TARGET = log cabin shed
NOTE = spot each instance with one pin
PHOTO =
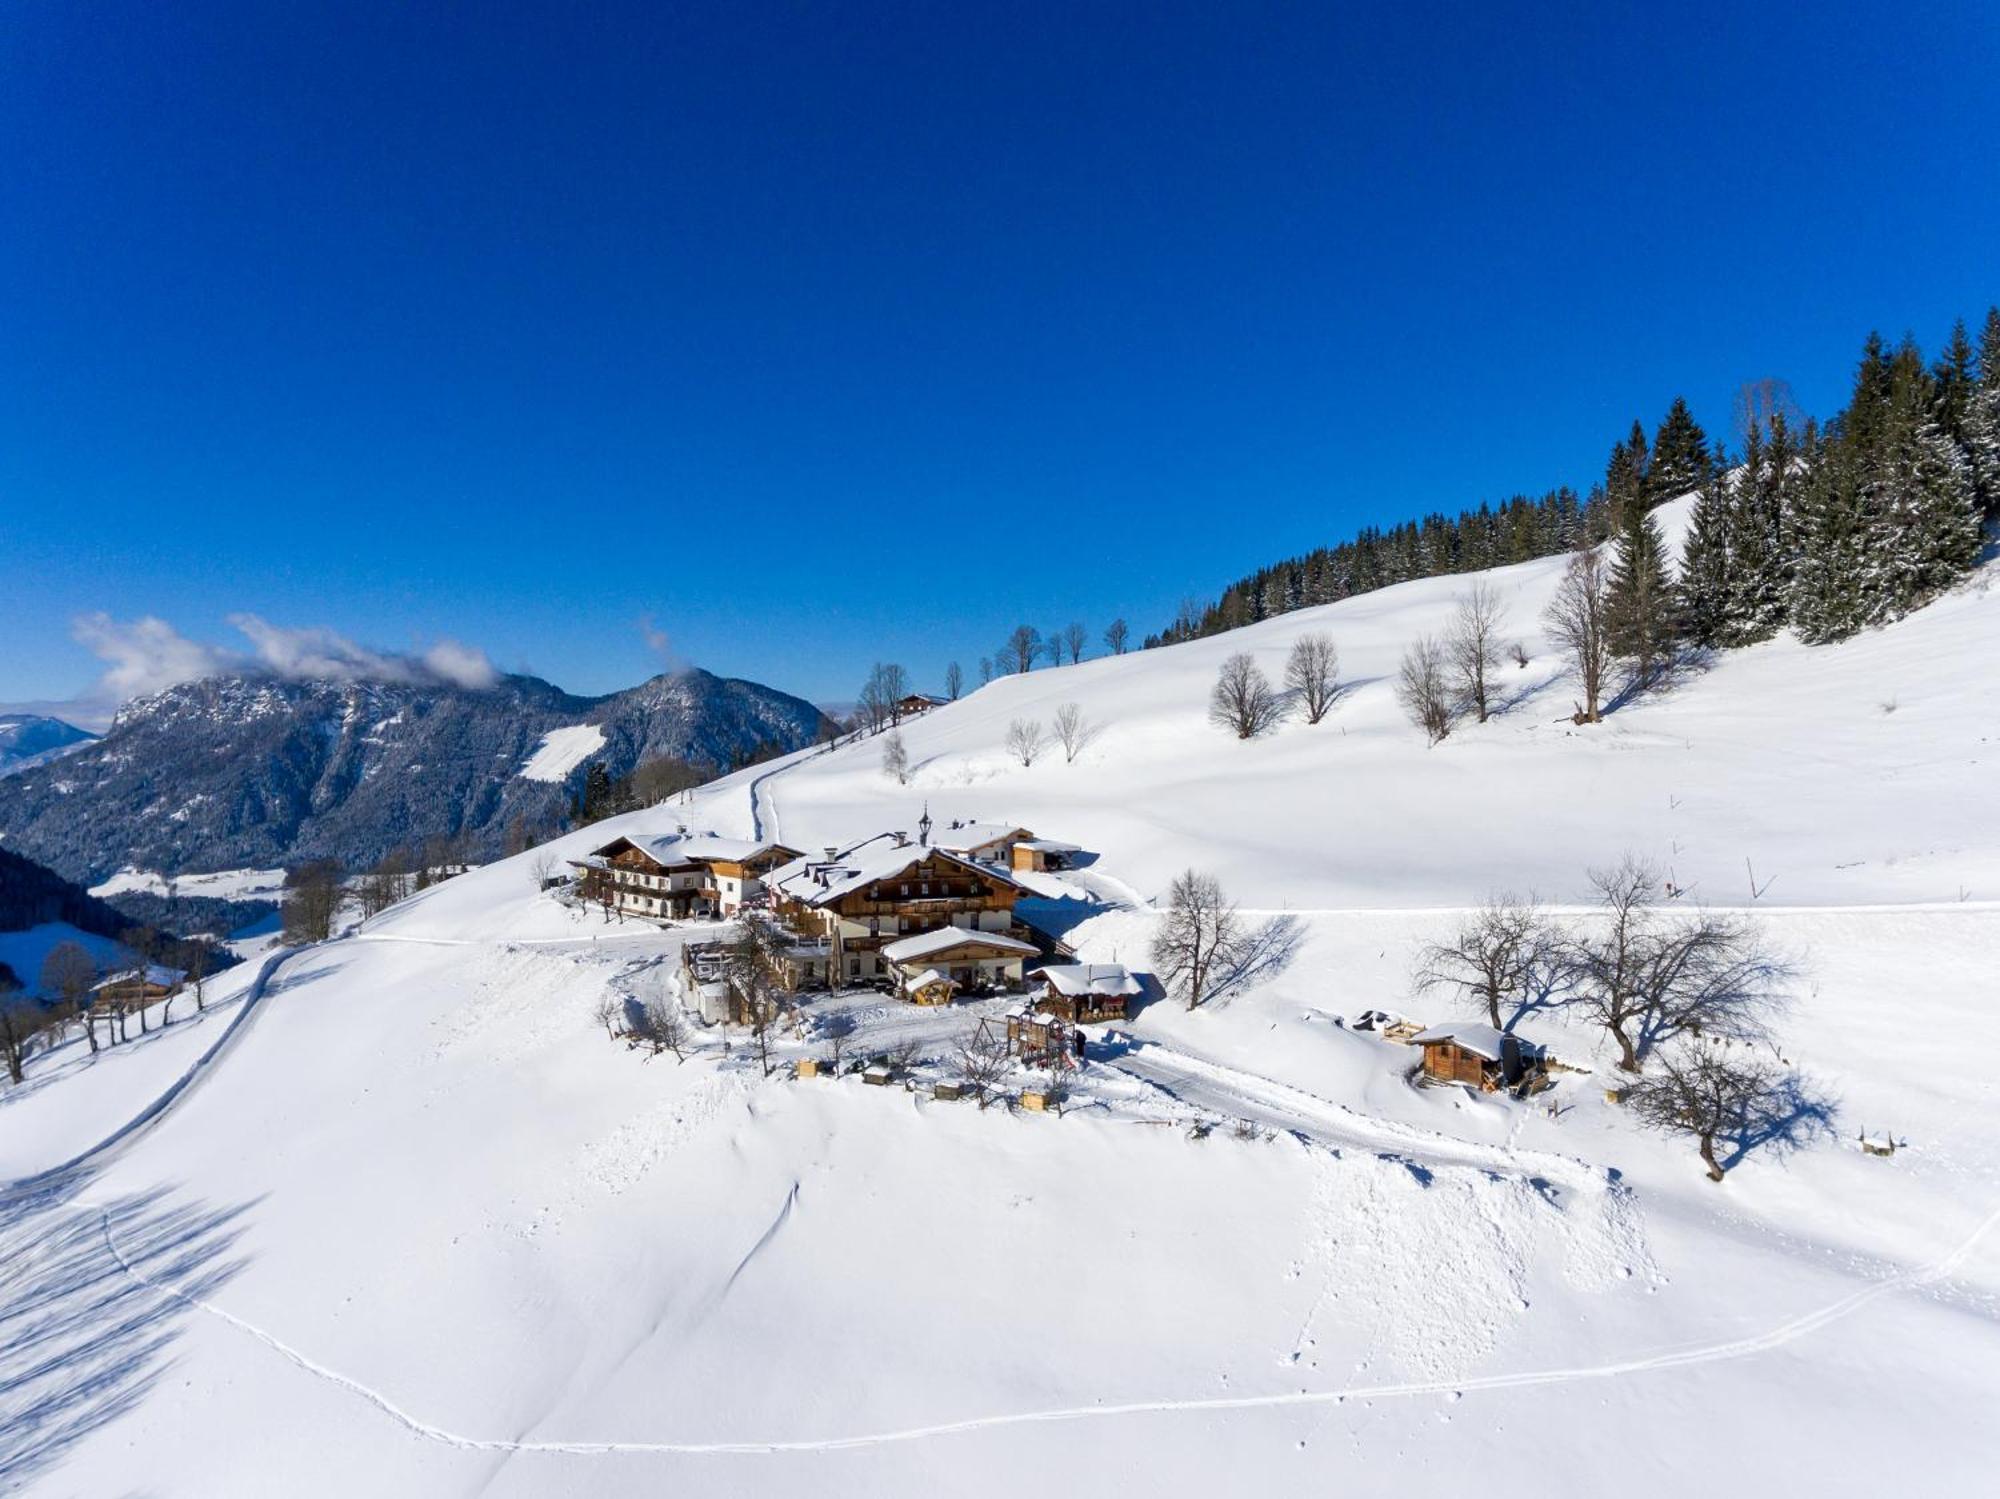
(1477, 1055)
(1086, 991)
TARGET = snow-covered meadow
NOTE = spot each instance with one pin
(423, 1229)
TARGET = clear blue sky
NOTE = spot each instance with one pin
(835, 332)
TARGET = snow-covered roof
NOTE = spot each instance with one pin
(1050, 846)
(690, 848)
(1473, 1036)
(945, 939)
(819, 882)
(1076, 979)
(927, 978)
(969, 835)
(157, 974)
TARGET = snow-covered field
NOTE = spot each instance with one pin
(224, 884)
(561, 751)
(423, 1229)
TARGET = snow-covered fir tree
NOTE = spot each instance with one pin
(1982, 419)
(1705, 581)
(1680, 455)
(1641, 609)
(1760, 561)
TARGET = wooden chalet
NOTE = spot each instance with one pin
(137, 986)
(678, 876)
(1477, 1055)
(982, 842)
(970, 962)
(861, 899)
(1085, 991)
(911, 704)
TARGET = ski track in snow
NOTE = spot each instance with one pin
(1735, 1348)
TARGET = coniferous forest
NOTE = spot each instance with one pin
(1828, 528)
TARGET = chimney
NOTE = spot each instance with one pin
(902, 838)
(832, 853)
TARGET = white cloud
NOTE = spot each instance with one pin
(465, 665)
(145, 655)
(148, 655)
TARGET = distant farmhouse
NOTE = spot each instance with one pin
(678, 876)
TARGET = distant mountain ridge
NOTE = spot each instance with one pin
(256, 771)
(30, 739)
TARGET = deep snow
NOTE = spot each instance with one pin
(425, 1230)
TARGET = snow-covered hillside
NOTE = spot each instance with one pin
(422, 1229)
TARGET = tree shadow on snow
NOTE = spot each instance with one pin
(83, 1340)
(1266, 951)
(1792, 1116)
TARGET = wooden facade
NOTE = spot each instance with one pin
(913, 891)
(634, 880)
(1477, 1056)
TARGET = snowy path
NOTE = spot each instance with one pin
(1232, 1093)
(176, 1094)
(1777, 1336)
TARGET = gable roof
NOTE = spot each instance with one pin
(671, 850)
(157, 974)
(821, 882)
(927, 945)
(969, 835)
(1470, 1035)
(1079, 979)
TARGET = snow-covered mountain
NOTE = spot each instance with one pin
(422, 1228)
(252, 771)
(29, 739)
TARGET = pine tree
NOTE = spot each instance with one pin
(1982, 420)
(1705, 563)
(1761, 562)
(1919, 497)
(1641, 607)
(1830, 597)
(1680, 455)
(1625, 479)
(1953, 385)
(596, 803)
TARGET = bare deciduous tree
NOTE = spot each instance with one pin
(1759, 401)
(954, 681)
(985, 670)
(1709, 1091)
(1072, 733)
(1242, 700)
(982, 1061)
(313, 893)
(896, 758)
(20, 1024)
(666, 1028)
(1494, 958)
(1578, 620)
(1021, 649)
(1423, 688)
(1645, 981)
(610, 1014)
(1025, 739)
(543, 868)
(1312, 674)
(1472, 645)
(68, 972)
(1074, 638)
(1200, 934)
(754, 968)
(1115, 635)
(199, 958)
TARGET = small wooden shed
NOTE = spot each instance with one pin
(1477, 1055)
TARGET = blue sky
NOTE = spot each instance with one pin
(819, 334)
